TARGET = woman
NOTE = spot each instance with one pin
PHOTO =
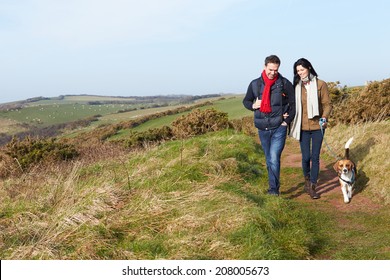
(312, 111)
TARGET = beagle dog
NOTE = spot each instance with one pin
(346, 170)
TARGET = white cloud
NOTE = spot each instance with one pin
(78, 23)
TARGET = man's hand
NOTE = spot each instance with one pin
(257, 104)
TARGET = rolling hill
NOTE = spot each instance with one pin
(199, 197)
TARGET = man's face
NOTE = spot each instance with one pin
(271, 70)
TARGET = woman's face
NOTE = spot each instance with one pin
(302, 71)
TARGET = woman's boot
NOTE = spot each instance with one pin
(312, 191)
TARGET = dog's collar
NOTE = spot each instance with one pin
(352, 179)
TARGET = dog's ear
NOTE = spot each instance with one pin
(353, 167)
(336, 166)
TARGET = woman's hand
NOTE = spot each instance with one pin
(323, 122)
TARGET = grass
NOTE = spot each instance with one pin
(360, 236)
(45, 115)
(202, 198)
(153, 205)
(54, 111)
(370, 152)
(355, 231)
(232, 105)
(50, 112)
(9, 126)
(83, 99)
(112, 118)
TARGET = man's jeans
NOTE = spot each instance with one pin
(311, 142)
(272, 142)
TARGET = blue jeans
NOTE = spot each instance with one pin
(272, 142)
(311, 142)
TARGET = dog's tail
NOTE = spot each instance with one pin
(346, 156)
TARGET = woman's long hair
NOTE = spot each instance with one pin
(305, 64)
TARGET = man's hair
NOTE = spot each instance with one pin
(272, 59)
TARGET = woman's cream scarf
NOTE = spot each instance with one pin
(312, 105)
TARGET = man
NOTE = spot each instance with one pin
(272, 98)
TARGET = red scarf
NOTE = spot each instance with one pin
(266, 99)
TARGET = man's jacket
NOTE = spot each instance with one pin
(282, 101)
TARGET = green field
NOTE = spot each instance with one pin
(50, 114)
(125, 116)
(82, 99)
(45, 113)
(53, 111)
(232, 106)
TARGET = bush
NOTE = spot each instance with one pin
(371, 104)
(31, 151)
(336, 93)
(104, 132)
(199, 122)
(245, 125)
(138, 139)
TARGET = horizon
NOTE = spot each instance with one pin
(132, 48)
(31, 99)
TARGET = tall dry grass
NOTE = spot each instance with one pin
(369, 150)
(203, 198)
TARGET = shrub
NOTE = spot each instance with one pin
(8, 166)
(371, 104)
(336, 93)
(31, 151)
(199, 122)
(138, 139)
(245, 125)
(104, 132)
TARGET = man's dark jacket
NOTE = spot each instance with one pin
(282, 101)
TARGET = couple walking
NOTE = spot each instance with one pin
(277, 105)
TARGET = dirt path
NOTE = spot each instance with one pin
(328, 185)
(344, 217)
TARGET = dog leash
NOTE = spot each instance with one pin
(352, 179)
(322, 122)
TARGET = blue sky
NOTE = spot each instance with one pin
(152, 47)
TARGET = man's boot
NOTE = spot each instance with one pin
(312, 191)
(307, 184)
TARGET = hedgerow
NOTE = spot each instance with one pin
(139, 139)
(31, 151)
(199, 122)
(371, 104)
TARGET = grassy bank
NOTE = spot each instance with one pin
(358, 230)
(369, 150)
(203, 198)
